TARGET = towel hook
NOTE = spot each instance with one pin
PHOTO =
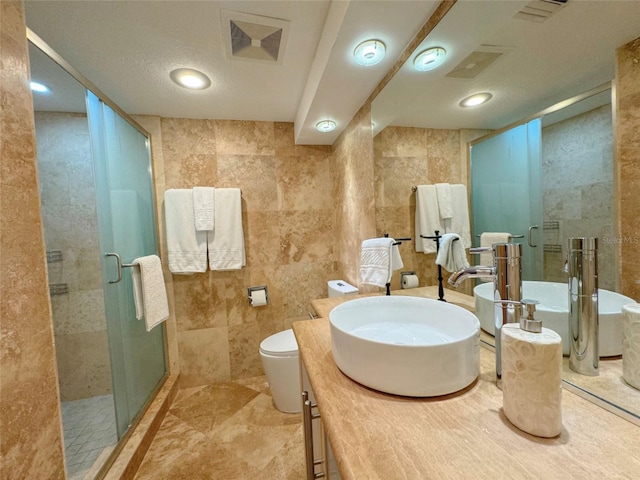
(119, 266)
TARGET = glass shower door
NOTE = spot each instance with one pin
(506, 191)
(127, 226)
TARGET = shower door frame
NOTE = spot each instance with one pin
(86, 83)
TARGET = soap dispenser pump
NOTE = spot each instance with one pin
(532, 375)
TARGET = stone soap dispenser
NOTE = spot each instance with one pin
(532, 375)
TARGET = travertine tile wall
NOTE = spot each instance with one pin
(577, 184)
(288, 220)
(67, 196)
(406, 157)
(628, 165)
(31, 439)
(352, 162)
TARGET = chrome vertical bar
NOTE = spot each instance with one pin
(583, 305)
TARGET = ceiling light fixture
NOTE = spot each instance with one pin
(325, 126)
(189, 78)
(429, 59)
(369, 52)
(39, 87)
(475, 99)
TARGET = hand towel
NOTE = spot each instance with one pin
(226, 242)
(396, 259)
(459, 222)
(375, 261)
(486, 240)
(427, 218)
(149, 292)
(451, 255)
(203, 208)
(445, 203)
(186, 246)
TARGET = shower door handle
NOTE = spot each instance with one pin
(119, 266)
(529, 235)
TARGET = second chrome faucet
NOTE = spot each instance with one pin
(506, 273)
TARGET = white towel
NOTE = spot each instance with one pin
(459, 222)
(226, 242)
(427, 218)
(396, 259)
(486, 240)
(187, 247)
(149, 292)
(445, 203)
(451, 255)
(376, 261)
(203, 208)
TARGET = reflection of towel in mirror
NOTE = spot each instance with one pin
(376, 261)
(487, 239)
(451, 255)
(427, 218)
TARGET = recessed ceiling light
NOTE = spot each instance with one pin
(369, 52)
(39, 87)
(189, 78)
(326, 126)
(429, 59)
(475, 99)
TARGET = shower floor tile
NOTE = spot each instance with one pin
(89, 432)
(229, 431)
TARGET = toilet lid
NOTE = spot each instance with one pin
(280, 343)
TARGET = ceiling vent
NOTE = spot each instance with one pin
(540, 10)
(253, 37)
(478, 61)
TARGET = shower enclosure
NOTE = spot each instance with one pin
(94, 171)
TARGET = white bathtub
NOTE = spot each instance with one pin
(554, 312)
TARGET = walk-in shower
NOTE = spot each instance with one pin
(94, 171)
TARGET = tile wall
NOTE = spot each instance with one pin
(288, 220)
(577, 179)
(30, 422)
(69, 217)
(627, 106)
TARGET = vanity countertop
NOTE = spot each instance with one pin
(464, 435)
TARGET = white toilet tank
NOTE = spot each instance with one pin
(338, 288)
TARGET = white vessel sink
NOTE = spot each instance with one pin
(553, 310)
(406, 345)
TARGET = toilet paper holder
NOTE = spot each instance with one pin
(404, 274)
(255, 289)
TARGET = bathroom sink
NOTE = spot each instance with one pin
(553, 310)
(403, 345)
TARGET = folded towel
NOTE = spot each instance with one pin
(459, 222)
(187, 247)
(427, 218)
(451, 255)
(445, 204)
(203, 207)
(226, 242)
(376, 261)
(486, 240)
(149, 292)
(396, 259)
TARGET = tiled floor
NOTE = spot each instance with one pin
(89, 433)
(227, 431)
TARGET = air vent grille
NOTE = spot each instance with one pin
(253, 37)
(540, 10)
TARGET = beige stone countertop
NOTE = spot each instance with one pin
(460, 436)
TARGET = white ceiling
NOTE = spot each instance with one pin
(128, 49)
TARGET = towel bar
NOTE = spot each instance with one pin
(119, 266)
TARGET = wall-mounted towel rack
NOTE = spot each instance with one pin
(119, 266)
(510, 236)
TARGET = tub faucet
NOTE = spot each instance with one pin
(507, 288)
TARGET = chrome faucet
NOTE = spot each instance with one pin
(583, 305)
(507, 287)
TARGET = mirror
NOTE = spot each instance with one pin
(421, 133)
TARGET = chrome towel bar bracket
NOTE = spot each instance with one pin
(119, 266)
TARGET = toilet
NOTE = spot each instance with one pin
(279, 355)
